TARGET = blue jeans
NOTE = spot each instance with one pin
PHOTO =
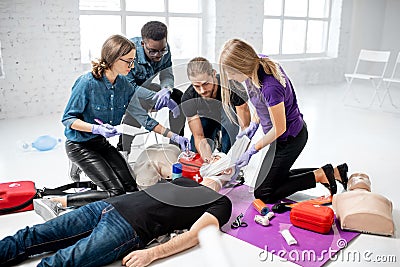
(93, 235)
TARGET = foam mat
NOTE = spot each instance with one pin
(312, 249)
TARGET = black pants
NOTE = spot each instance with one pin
(275, 179)
(176, 124)
(104, 165)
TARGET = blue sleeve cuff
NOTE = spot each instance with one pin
(67, 123)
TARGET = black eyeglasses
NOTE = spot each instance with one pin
(154, 52)
(130, 63)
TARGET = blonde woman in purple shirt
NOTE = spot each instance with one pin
(271, 92)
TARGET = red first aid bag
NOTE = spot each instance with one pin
(17, 196)
(315, 218)
(191, 167)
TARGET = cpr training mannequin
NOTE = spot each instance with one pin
(360, 210)
(155, 163)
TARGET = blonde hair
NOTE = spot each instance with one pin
(112, 50)
(239, 57)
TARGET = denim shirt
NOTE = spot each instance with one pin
(145, 70)
(97, 98)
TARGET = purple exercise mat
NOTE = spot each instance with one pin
(312, 249)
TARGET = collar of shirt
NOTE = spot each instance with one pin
(140, 54)
(108, 84)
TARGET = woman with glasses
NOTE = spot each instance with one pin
(98, 101)
(153, 58)
(285, 132)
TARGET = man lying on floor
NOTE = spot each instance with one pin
(120, 227)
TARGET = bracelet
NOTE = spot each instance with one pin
(165, 133)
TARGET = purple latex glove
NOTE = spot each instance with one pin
(164, 100)
(249, 131)
(183, 142)
(173, 106)
(105, 130)
(163, 97)
(245, 158)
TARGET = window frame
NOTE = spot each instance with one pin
(306, 18)
(123, 13)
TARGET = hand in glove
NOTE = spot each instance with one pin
(173, 106)
(162, 97)
(249, 131)
(105, 130)
(245, 158)
(183, 142)
(164, 100)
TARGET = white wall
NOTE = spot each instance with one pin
(391, 31)
(366, 28)
(41, 55)
(40, 46)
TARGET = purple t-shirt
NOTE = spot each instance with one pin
(270, 94)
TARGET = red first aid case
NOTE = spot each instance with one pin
(17, 196)
(312, 217)
(191, 167)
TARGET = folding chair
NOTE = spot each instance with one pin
(388, 81)
(370, 56)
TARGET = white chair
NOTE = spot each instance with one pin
(389, 81)
(376, 60)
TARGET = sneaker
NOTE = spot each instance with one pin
(74, 172)
(46, 208)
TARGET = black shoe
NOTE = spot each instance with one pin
(343, 169)
(74, 172)
(329, 173)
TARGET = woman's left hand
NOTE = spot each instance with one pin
(245, 158)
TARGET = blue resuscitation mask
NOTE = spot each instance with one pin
(42, 143)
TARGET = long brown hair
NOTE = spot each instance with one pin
(112, 50)
(240, 57)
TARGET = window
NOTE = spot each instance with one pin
(102, 18)
(296, 27)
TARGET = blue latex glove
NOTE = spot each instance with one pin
(249, 131)
(183, 142)
(163, 97)
(245, 158)
(105, 130)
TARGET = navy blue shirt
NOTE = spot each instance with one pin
(97, 98)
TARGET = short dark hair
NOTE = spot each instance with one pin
(154, 30)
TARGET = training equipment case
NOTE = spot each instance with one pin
(191, 167)
(17, 196)
(315, 218)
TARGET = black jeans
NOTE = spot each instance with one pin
(176, 124)
(104, 165)
(275, 179)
